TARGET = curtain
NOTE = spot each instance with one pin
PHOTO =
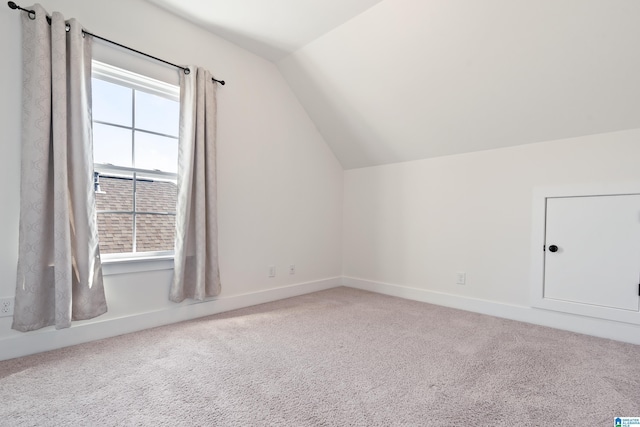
(59, 270)
(196, 274)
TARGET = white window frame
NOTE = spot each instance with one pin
(118, 263)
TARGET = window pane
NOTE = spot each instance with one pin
(156, 152)
(155, 196)
(155, 232)
(157, 114)
(116, 193)
(111, 145)
(115, 233)
(111, 102)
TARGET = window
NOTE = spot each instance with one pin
(135, 137)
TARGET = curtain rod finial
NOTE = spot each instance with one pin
(14, 6)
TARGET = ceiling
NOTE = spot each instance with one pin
(271, 28)
(399, 80)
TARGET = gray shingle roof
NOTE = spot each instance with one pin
(153, 232)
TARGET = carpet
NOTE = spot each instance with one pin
(341, 357)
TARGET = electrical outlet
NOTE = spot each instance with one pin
(272, 271)
(292, 269)
(461, 278)
(6, 307)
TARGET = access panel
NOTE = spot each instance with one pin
(592, 250)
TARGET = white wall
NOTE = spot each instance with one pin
(280, 187)
(416, 224)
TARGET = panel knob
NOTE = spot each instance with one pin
(553, 248)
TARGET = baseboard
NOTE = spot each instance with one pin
(47, 339)
(618, 331)
(24, 344)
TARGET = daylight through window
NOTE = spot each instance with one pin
(135, 137)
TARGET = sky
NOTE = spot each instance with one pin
(134, 148)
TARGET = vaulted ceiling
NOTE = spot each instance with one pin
(398, 80)
(271, 28)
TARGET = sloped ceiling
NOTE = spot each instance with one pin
(271, 28)
(411, 79)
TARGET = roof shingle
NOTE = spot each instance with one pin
(153, 232)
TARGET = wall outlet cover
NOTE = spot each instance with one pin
(6, 307)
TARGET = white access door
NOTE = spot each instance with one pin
(592, 251)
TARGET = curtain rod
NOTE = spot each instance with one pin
(32, 15)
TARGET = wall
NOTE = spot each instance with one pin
(409, 227)
(280, 187)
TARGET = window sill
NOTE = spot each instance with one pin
(136, 264)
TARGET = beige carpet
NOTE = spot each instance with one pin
(340, 357)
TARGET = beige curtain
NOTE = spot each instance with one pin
(59, 269)
(196, 273)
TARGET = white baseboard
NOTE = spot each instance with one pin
(23, 344)
(618, 331)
